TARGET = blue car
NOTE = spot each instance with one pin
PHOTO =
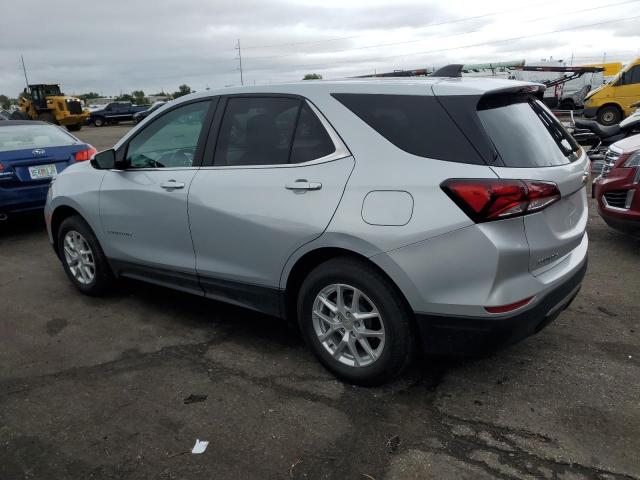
(31, 153)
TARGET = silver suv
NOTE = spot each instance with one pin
(384, 217)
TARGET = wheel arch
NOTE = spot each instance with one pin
(310, 260)
(57, 217)
(611, 104)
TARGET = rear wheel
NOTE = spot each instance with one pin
(74, 128)
(82, 257)
(356, 322)
(47, 117)
(609, 115)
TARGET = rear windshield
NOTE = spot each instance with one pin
(19, 137)
(525, 133)
(417, 124)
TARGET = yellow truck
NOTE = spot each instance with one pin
(47, 103)
(611, 102)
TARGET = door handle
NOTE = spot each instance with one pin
(171, 185)
(303, 185)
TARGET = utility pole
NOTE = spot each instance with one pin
(239, 57)
(24, 69)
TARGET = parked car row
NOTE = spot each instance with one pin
(113, 113)
(387, 231)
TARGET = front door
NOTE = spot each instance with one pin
(275, 181)
(143, 208)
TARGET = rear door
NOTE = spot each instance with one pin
(276, 172)
(531, 144)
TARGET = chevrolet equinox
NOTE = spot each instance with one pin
(384, 217)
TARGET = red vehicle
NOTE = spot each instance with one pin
(618, 188)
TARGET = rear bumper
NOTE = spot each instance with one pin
(23, 199)
(457, 335)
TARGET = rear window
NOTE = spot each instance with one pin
(417, 124)
(525, 133)
(19, 137)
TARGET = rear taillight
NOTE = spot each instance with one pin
(509, 308)
(485, 200)
(1, 167)
(84, 155)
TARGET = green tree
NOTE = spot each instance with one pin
(312, 76)
(89, 96)
(125, 97)
(182, 90)
(138, 97)
(5, 102)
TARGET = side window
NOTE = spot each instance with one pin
(417, 124)
(256, 131)
(631, 76)
(170, 140)
(311, 140)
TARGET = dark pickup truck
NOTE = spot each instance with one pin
(113, 113)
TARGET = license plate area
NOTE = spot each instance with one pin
(40, 172)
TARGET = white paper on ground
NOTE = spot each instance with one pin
(200, 446)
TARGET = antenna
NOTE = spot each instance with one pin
(239, 57)
(24, 69)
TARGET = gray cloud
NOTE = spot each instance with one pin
(114, 46)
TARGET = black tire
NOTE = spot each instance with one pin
(103, 277)
(399, 344)
(74, 128)
(609, 115)
(99, 121)
(47, 117)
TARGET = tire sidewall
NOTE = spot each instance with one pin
(98, 121)
(396, 324)
(603, 111)
(102, 276)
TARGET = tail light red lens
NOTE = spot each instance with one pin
(84, 155)
(485, 200)
(510, 307)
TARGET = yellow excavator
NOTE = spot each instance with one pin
(45, 102)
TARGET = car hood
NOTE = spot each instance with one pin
(629, 144)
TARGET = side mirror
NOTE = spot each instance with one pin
(105, 160)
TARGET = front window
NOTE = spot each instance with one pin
(170, 140)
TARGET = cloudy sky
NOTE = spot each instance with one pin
(117, 46)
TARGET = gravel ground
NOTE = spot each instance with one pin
(122, 386)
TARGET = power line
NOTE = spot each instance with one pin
(428, 25)
(523, 37)
(405, 42)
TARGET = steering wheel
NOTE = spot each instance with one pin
(182, 157)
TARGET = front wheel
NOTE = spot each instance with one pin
(609, 115)
(82, 257)
(356, 322)
(98, 121)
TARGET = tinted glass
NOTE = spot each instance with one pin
(416, 124)
(18, 137)
(256, 131)
(311, 140)
(526, 133)
(170, 140)
(632, 76)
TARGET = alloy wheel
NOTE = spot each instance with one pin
(348, 325)
(79, 257)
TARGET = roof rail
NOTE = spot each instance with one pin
(453, 70)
